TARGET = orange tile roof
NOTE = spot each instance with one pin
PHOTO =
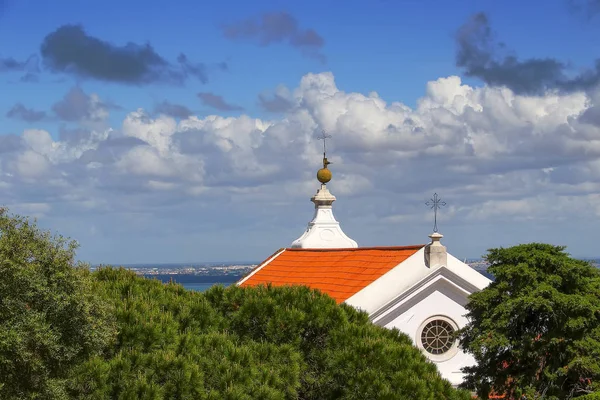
(340, 273)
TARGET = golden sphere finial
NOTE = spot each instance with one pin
(324, 174)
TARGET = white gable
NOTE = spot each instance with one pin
(439, 301)
(405, 276)
(412, 296)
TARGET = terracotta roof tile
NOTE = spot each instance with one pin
(340, 273)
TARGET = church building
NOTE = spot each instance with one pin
(419, 289)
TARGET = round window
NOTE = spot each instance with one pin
(436, 338)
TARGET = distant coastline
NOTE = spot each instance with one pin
(192, 276)
(202, 276)
(197, 269)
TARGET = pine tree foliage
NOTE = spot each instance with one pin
(591, 396)
(68, 334)
(50, 319)
(535, 330)
(249, 343)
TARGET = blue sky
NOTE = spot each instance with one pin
(391, 47)
(394, 48)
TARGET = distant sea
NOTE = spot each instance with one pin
(198, 283)
(202, 276)
(193, 276)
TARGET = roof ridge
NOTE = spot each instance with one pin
(383, 248)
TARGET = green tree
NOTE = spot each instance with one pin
(248, 343)
(69, 334)
(535, 330)
(50, 319)
(344, 356)
(172, 344)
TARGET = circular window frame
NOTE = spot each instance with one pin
(451, 352)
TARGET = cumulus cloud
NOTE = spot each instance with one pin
(19, 111)
(70, 50)
(280, 100)
(497, 157)
(482, 56)
(217, 102)
(10, 143)
(277, 27)
(172, 109)
(76, 105)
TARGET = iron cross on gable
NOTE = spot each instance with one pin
(324, 136)
(435, 203)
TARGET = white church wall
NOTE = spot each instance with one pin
(441, 293)
(438, 304)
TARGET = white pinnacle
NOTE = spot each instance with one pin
(323, 232)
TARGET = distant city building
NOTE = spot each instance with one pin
(421, 290)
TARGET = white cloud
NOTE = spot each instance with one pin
(34, 210)
(498, 157)
(38, 140)
(156, 132)
(145, 161)
(30, 164)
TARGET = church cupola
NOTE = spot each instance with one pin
(324, 232)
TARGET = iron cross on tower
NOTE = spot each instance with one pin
(324, 136)
(435, 203)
